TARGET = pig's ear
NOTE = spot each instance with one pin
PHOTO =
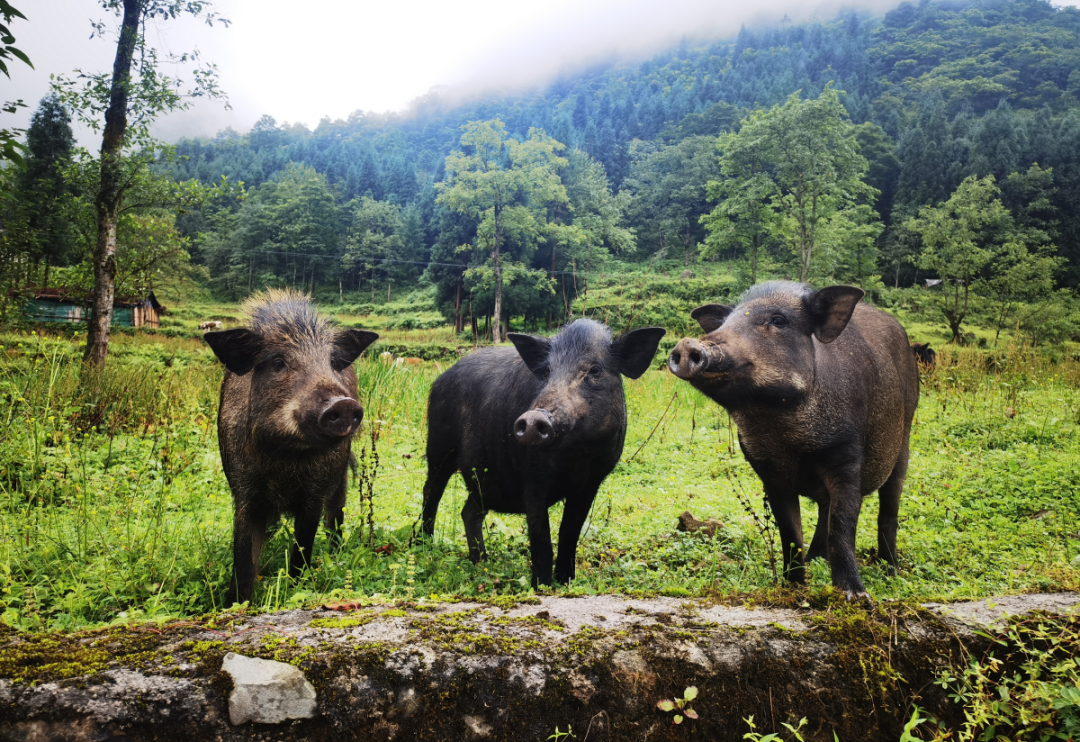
(710, 316)
(532, 349)
(348, 345)
(635, 350)
(831, 309)
(237, 349)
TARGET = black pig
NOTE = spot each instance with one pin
(288, 412)
(823, 389)
(532, 425)
(925, 356)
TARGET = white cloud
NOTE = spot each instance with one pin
(301, 62)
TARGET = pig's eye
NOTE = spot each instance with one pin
(278, 365)
(778, 321)
(594, 372)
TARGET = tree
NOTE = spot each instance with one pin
(150, 254)
(960, 239)
(287, 233)
(802, 158)
(372, 240)
(1021, 270)
(506, 187)
(668, 187)
(49, 144)
(743, 220)
(10, 147)
(130, 102)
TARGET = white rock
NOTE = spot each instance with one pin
(477, 726)
(267, 692)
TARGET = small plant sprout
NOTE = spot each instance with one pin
(680, 705)
(796, 732)
(568, 734)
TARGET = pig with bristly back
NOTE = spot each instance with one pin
(530, 426)
(823, 389)
(289, 409)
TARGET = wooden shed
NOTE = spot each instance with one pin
(57, 304)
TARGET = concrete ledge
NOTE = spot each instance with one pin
(508, 672)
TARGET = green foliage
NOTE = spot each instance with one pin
(795, 172)
(507, 188)
(972, 241)
(794, 732)
(148, 92)
(668, 184)
(1025, 687)
(10, 148)
(33, 210)
(681, 706)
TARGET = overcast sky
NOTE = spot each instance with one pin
(304, 61)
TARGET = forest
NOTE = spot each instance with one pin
(935, 142)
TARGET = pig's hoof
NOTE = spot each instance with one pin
(858, 595)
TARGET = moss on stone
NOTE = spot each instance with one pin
(47, 656)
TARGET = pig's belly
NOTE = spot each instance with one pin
(874, 474)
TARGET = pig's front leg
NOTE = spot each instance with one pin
(536, 518)
(575, 512)
(845, 502)
(249, 534)
(784, 504)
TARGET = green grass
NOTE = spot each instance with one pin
(113, 504)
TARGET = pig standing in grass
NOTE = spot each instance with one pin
(532, 425)
(823, 390)
(288, 412)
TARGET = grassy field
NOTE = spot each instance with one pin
(113, 505)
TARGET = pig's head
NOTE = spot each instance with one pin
(762, 351)
(580, 372)
(302, 385)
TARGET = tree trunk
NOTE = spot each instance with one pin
(804, 269)
(458, 322)
(753, 260)
(111, 193)
(497, 318)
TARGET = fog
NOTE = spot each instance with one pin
(333, 58)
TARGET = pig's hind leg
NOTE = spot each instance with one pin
(472, 515)
(303, 542)
(439, 473)
(819, 544)
(889, 511)
(334, 520)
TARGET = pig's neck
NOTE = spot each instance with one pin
(775, 433)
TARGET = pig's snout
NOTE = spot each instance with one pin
(534, 428)
(341, 417)
(688, 359)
